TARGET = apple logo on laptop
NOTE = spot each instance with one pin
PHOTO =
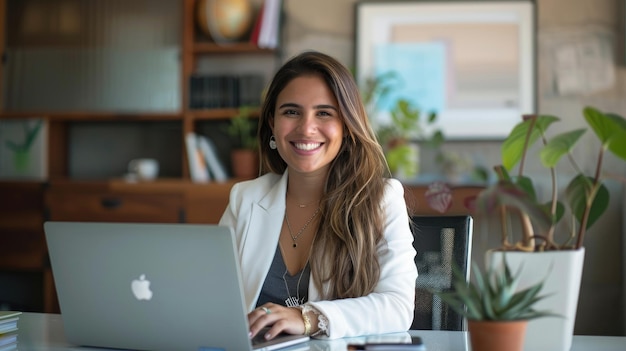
(141, 288)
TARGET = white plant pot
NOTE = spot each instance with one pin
(562, 271)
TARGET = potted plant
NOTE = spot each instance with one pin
(244, 155)
(539, 247)
(407, 125)
(496, 311)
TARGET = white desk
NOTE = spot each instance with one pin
(44, 332)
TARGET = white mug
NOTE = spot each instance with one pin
(144, 168)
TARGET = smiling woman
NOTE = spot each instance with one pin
(307, 125)
(323, 236)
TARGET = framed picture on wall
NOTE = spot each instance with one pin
(23, 149)
(470, 62)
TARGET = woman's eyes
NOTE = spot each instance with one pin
(297, 113)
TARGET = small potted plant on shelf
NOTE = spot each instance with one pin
(244, 155)
(496, 310)
(539, 247)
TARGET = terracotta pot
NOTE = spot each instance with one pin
(497, 335)
(245, 163)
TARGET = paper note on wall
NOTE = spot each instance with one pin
(584, 67)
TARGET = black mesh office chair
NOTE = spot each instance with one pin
(439, 241)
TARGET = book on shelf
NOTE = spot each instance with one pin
(7, 341)
(256, 29)
(270, 23)
(197, 164)
(8, 330)
(8, 321)
(209, 151)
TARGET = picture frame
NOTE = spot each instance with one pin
(472, 63)
(23, 149)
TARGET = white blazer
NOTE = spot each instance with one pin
(255, 213)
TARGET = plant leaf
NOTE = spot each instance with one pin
(578, 194)
(610, 129)
(513, 146)
(559, 146)
(508, 194)
(526, 184)
(560, 210)
(617, 144)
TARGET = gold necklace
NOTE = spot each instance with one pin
(305, 205)
(295, 238)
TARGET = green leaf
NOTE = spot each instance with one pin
(610, 129)
(508, 194)
(617, 145)
(514, 145)
(432, 117)
(579, 192)
(560, 210)
(13, 146)
(559, 146)
(526, 184)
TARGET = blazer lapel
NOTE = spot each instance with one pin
(266, 221)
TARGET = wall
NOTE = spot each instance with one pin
(327, 25)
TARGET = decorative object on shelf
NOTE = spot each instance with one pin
(225, 21)
(143, 168)
(439, 196)
(587, 199)
(496, 308)
(244, 155)
(23, 145)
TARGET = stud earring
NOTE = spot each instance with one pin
(272, 143)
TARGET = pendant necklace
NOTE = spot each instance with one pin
(293, 301)
(295, 238)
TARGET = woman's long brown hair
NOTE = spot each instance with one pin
(352, 220)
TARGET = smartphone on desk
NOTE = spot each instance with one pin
(415, 344)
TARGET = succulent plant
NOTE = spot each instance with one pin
(493, 295)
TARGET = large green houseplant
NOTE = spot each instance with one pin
(584, 200)
(586, 196)
(496, 309)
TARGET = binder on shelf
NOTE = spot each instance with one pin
(268, 36)
(216, 169)
(256, 30)
(197, 165)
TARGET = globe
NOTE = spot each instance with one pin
(224, 20)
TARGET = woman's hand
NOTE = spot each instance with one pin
(281, 319)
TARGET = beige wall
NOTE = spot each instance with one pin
(327, 25)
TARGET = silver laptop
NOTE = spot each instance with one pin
(151, 287)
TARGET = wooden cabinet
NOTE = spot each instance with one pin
(22, 245)
(162, 201)
(77, 202)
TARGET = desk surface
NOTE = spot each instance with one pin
(44, 332)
